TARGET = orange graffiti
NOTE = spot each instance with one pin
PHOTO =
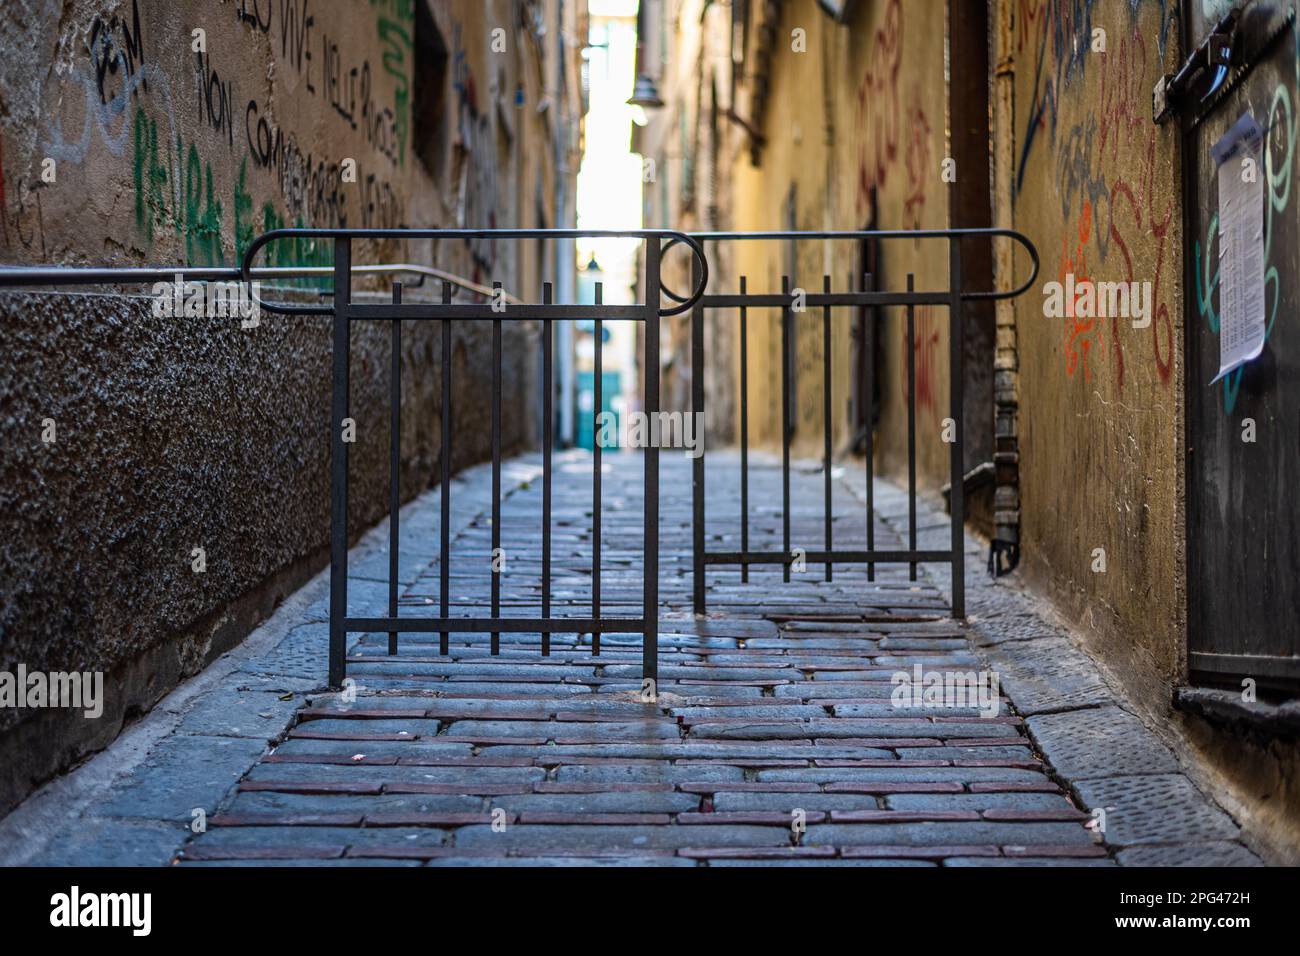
(1080, 331)
(1108, 164)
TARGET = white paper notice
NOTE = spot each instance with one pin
(1241, 246)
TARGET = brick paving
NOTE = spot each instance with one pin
(773, 739)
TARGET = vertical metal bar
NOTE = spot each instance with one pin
(597, 407)
(697, 464)
(956, 386)
(911, 426)
(339, 463)
(826, 422)
(444, 560)
(394, 460)
(547, 442)
(785, 430)
(496, 472)
(744, 439)
(868, 387)
(650, 598)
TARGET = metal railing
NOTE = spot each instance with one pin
(339, 304)
(870, 298)
(345, 311)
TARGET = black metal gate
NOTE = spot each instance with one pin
(869, 298)
(344, 310)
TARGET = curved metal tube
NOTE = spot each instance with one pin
(949, 234)
(284, 308)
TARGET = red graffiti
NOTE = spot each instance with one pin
(1123, 121)
(878, 110)
(1031, 21)
(918, 166)
(925, 345)
(884, 124)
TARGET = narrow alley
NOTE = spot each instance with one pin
(649, 435)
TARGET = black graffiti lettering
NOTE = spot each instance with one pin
(336, 83)
(379, 207)
(215, 98)
(250, 12)
(312, 188)
(112, 55)
(295, 33)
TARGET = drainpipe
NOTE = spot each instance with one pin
(1004, 554)
(566, 274)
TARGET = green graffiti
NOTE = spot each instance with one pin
(175, 190)
(245, 231)
(296, 252)
(395, 34)
(151, 176)
(202, 211)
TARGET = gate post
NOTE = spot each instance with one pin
(956, 389)
(339, 462)
(697, 464)
(650, 595)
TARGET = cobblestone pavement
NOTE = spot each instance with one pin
(773, 739)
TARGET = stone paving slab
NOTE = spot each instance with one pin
(1100, 742)
(1212, 853)
(1156, 808)
(183, 774)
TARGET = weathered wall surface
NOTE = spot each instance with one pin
(176, 434)
(1097, 188)
(854, 134)
(832, 126)
(684, 147)
(854, 125)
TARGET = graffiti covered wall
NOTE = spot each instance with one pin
(177, 132)
(1096, 186)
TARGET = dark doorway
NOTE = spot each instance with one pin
(1242, 457)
